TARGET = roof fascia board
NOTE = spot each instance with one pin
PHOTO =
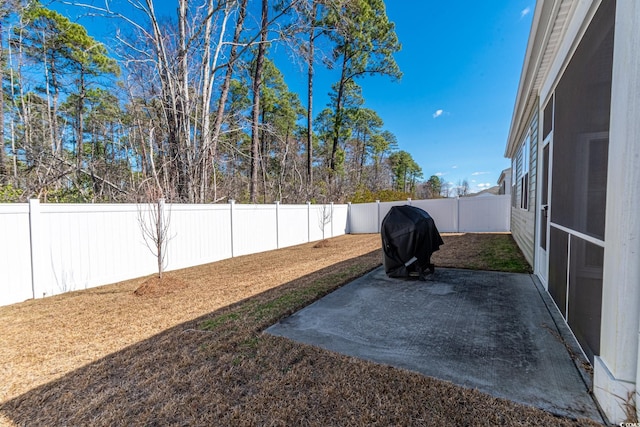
(538, 38)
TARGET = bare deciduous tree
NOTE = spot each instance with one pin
(325, 216)
(462, 189)
(153, 218)
(77, 132)
(154, 221)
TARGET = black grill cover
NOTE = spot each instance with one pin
(409, 237)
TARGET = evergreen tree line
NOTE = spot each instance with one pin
(192, 107)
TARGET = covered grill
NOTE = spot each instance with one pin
(409, 237)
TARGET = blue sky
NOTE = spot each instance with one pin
(461, 63)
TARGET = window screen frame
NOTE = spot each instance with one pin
(523, 164)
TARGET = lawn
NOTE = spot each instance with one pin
(190, 351)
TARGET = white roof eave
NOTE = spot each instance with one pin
(549, 23)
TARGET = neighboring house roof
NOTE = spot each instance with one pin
(492, 191)
(504, 182)
(541, 50)
(505, 175)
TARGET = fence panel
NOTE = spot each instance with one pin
(76, 246)
(443, 211)
(363, 218)
(340, 220)
(15, 253)
(82, 246)
(485, 214)
(293, 225)
(467, 214)
(254, 229)
(55, 248)
(198, 234)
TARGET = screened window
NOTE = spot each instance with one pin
(522, 175)
(514, 187)
(547, 124)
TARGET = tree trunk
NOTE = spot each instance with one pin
(205, 165)
(264, 153)
(161, 236)
(183, 102)
(3, 168)
(80, 121)
(337, 124)
(15, 106)
(224, 93)
(363, 155)
(52, 104)
(175, 173)
(255, 112)
(310, 63)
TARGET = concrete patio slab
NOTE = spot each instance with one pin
(496, 332)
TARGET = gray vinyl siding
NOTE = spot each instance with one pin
(523, 231)
(523, 222)
(533, 167)
(519, 166)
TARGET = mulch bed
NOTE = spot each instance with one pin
(156, 286)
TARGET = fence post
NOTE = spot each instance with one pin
(348, 230)
(277, 224)
(232, 203)
(308, 221)
(409, 200)
(34, 237)
(457, 215)
(378, 221)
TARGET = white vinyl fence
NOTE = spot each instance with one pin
(48, 249)
(460, 215)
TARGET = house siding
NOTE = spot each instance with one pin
(522, 226)
(533, 156)
(523, 222)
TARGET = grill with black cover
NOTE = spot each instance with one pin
(409, 238)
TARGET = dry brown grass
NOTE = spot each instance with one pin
(192, 353)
